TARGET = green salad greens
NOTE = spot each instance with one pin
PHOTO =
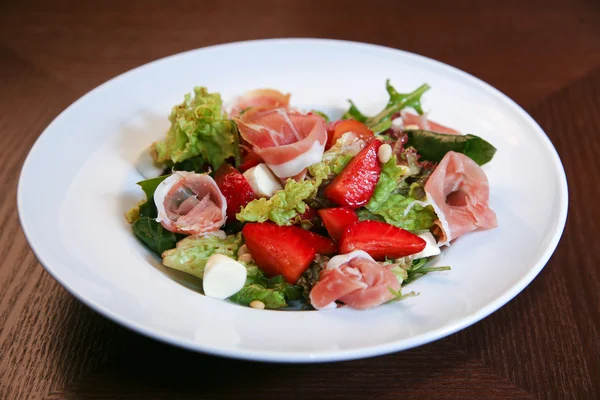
(280, 248)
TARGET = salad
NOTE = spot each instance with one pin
(274, 207)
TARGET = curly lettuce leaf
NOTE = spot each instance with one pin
(433, 146)
(192, 253)
(199, 127)
(153, 235)
(274, 292)
(285, 204)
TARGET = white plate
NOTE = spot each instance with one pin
(79, 179)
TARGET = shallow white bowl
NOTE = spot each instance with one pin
(79, 179)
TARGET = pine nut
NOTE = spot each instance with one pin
(411, 127)
(384, 153)
(245, 258)
(259, 305)
(243, 250)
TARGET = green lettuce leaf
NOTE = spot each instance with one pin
(199, 127)
(391, 174)
(433, 146)
(393, 211)
(392, 206)
(274, 292)
(153, 235)
(285, 204)
(191, 253)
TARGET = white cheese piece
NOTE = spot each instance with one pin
(147, 166)
(223, 277)
(397, 123)
(262, 180)
(431, 247)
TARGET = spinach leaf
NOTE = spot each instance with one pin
(433, 146)
(195, 164)
(148, 208)
(153, 235)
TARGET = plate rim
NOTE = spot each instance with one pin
(325, 356)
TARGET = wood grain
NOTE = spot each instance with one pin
(543, 344)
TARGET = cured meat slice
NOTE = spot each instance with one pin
(286, 141)
(260, 98)
(356, 280)
(423, 123)
(190, 203)
(459, 192)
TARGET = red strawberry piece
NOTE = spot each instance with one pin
(380, 240)
(322, 244)
(279, 250)
(354, 186)
(336, 220)
(235, 188)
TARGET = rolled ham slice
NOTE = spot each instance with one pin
(190, 203)
(424, 123)
(286, 141)
(261, 99)
(459, 192)
(356, 280)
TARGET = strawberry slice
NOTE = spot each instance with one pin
(380, 240)
(336, 220)
(235, 188)
(322, 244)
(354, 186)
(279, 250)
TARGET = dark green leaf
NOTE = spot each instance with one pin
(153, 235)
(194, 164)
(433, 146)
(148, 209)
(353, 113)
(419, 269)
(321, 114)
(398, 102)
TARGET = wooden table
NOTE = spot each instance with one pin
(543, 344)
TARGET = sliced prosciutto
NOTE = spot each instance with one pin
(356, 280)
(459, 192)
(423, 123)
(260, 98)
(190, 203)
(286, 141)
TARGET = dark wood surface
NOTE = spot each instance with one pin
(543, 54)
